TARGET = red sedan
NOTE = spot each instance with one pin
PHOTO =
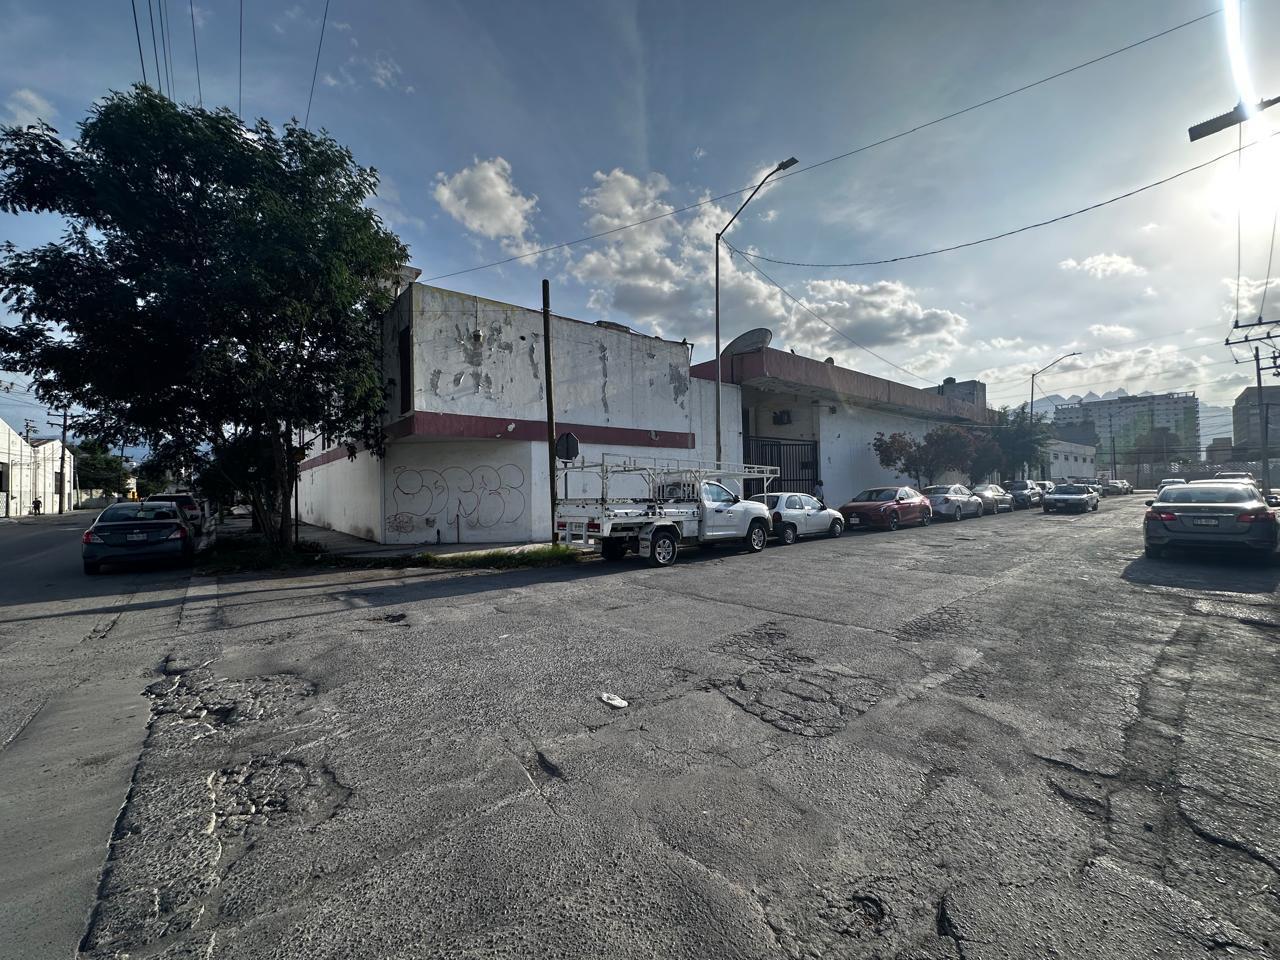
(887, 508)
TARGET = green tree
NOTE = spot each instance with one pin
(944, 449)
(217, 287)
(1023, 442)
(97, 468)
(987, 458)
(899, 452)
(151, 476)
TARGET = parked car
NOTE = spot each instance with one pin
(994, 497)
(1128, 487)
(1171, 481)
(886, 508)
(1071, 497)
(190, 506)
(1223, 515)
(1234, 475)
(1111, 488)
(1046, 486)
(800, 515)
(1025, 494)
(954, 501)
(133, 532)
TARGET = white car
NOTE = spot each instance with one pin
(953, 501)
(1071, 497)
(798, 515)
(1171, 481)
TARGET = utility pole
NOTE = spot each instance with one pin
(1262, 425)
(784, 165)
(551, 403)
(62, 468)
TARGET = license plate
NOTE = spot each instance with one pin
(1205, 521)
(135, 536)
(854, 521)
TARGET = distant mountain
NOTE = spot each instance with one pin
(1051, 403)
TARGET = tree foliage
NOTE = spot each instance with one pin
(1005, 447)
(97, 468)
(217, 287)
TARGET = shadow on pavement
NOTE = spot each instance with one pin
(1206, 570)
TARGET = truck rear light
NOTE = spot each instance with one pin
(593, 526)
(1161, 515)
(91, 537)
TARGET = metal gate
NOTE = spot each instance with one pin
(796, 460)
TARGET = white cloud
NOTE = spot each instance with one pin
(1149, 292)
(769, 216)
(1102, 265)
(879, 314)
(385, 71)
(699, 153)
(1004, 343)
(483, 198)
(202, 15)
(341, 26)
(1112, 331)
(1149, 227)
(25, 107)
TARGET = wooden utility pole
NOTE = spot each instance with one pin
(551, 403)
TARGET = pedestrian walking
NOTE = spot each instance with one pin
(817, 491)
(35, 507)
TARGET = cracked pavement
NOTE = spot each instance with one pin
(1006, 737)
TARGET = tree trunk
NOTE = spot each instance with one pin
(282, 453)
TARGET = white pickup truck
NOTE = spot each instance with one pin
(657, 507)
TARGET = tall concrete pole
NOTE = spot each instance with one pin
(1262, 425)
(62, 471)
(719, 453)
(551, 402)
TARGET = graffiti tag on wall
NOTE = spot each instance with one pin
(481, 497)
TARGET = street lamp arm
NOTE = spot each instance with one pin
(1059, 360)
(778, 169)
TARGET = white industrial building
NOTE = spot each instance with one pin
(1064, 459)
(33, 470)
(466, 457)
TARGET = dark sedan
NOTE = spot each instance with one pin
(1025, 494)
(1220, 515)
(886, 508)
(134, 532)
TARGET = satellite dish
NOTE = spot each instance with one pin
(749, 342)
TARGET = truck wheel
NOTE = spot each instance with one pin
(613, 549)
(836, 529)
(663, 549)
(788, 534)
(757, 535)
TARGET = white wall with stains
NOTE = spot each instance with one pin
(479, 357)
(344, 495)
(848, 462)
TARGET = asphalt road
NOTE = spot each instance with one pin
(1007, 737)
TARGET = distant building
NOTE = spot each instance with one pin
(1064, 460)
(1162, 426)
(1219, 450)
(1246, 423)
(31, 471)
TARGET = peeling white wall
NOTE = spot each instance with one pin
(344, 495)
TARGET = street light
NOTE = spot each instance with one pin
(1031, 408)
(784, 165)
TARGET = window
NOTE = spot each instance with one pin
(1055, 456)
(714, 493)
(810, 503)
(405, 350)
(793, 503)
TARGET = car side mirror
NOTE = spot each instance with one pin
(1148, 502)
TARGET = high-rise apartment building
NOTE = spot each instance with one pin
(1246, 423)
(1164, 425)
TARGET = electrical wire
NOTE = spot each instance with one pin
(138, 35)
(821, 163)
(1239, 204)
(172, 50)
(316, 70)
(195, 47)
(164, 46)
(240, 69)
(155, 51)
(1017, 230)
(803, 306)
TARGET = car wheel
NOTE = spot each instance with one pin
(1153, 553)
(91, 568)
(1046, 509)
(893, 521)
(836, 529)
(613, 549)
(757, 536)
(926, 517)
(788, 534)
(1095, 506)
(958, 515)
(663, 549)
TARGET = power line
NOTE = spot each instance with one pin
(155, 52)
(1239, 203)
(172, 50)
(195, 47)
(787, 293)
(821, 163)
(164, 46)
(240, 69)
(316, 70)
(138, 35)
(1009, 233)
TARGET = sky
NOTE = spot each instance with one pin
(499, 128)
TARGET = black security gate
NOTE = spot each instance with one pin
(796, 460)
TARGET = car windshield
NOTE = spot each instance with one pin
(1068, 488)
(1163, 482)
(1018, 485)
(1207, 493)
(877, 493)
(124, 512)
(936, 491)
